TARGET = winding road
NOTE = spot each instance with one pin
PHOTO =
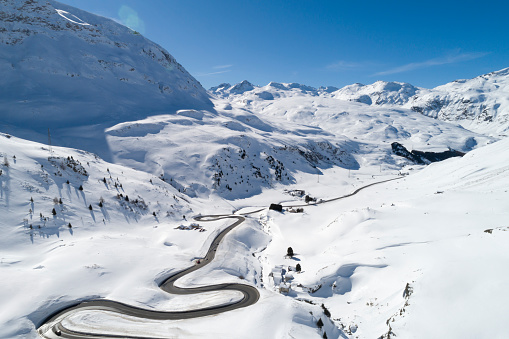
(52, 326)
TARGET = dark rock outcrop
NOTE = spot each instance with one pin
(423, 158)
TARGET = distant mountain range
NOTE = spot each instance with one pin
(102, 87)
(480, 104)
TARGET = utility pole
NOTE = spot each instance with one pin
(49, 143)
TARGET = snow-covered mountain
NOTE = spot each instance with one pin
(273, 90)
(234, 154)
(63, 67)
(378, 93)
(420, 255)
(262, 144)
(480, 104)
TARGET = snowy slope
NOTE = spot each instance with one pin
(480, 104)
(62, 68)
(418, 257)
(361, 123)
(233, 153)
(395, 258)
(247, 146)
(118, 249)
(252, 142)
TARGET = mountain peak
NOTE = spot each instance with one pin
(378, 93)
(242, 87)
(81, 67)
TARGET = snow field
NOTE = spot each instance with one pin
(428, 230)
(122, 257)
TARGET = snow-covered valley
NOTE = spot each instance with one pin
(106, 208)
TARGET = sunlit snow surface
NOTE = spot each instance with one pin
(427, 230)
(422, 256)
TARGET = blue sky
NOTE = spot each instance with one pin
(321, 43)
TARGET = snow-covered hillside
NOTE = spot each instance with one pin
(74, 227)
(245, 147)
(480, 104)
(63, 67)
(393, 259)
(416, 251)
(417, 257)
(234, 154)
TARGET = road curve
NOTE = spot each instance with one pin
(344, 196)
(52, 327)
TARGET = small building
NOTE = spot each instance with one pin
(285, 288)
(276, 275)
(288, 277)
(276, 207)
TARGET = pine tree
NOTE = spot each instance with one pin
(298, 268)
(324, 335)
(319, 323)
(81, 188)
(326, 311)
(54, 212)
(90, 207)
(289, 252)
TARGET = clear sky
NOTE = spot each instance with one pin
(321, 43)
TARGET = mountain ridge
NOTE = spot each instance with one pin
(479, 104)
(63, 67)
